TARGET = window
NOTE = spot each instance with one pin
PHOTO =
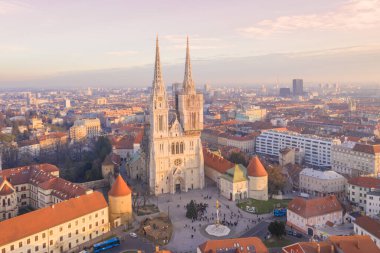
(28, 241)
(20, 244)
(36, 248)
(12, 247)
(61, 238)
(36, 238)
(44, 245)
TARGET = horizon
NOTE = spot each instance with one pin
(67, 44)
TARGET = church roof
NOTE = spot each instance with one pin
(236, 174)
(5, 188)
(119, 188)
(216, 162)
(256, 168)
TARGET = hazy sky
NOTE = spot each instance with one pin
(111, 43)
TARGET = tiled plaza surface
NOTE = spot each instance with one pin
(184, 228)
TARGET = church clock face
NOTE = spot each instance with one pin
(177, 162)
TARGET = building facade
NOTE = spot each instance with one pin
(356, 159)
(317, 150)
(373, 204)
(322, 183)
(358, 187)
(175, 149)
(307, 214)
(57, 228)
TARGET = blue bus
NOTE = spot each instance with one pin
(279, 212)
(107, 244)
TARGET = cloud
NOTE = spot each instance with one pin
(7, 7)
(354, 14)
(178, 42)
(122, 53)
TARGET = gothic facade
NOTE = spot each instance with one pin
(175, 149)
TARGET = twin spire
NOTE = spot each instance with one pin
(158, 82)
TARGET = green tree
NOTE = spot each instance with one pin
(277, 228)
(191, 210)
(276, 180)
(238, 157)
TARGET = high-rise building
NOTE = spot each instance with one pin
(297, 87)
(175, 149)
(284, 92)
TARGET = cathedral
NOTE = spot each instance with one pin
(175, 149)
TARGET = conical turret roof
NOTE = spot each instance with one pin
(256, 168)
(119, 188)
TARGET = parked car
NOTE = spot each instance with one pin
(133, 235)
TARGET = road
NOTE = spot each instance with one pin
(130, 243)
(260, 230)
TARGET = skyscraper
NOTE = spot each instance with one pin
(297, 87)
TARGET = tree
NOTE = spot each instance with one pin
(277, 228)
(191, 211)
(276, 180)
(238, 158)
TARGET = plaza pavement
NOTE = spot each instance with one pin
(181, 240)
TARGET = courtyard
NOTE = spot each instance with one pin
(187, 233)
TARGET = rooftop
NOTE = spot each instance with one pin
(42, 219)
(315, 207)
(327, 174)
(367, 182)
(372, 226)
(242, 245)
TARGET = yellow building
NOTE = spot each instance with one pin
(58, 228)
(120, 203)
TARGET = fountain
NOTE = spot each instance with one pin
(217, 229)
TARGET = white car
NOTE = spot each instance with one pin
(133, 235)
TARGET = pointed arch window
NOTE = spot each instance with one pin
(173, 148)
(177, 148)
(181, 148)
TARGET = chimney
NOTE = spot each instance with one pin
(357, 243)
(332, 249)
(157, 248)
(318, 248)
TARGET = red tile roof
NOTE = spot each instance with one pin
(315, 207)
(119, 188)
(255, 168)
(41, 175)
(42, 219)
(239, 244)
(354, 244)
(216, 162)
(367, 182)
(365, 148)
(369, 224)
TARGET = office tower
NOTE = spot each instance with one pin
(297, 87)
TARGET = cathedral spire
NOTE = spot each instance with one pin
(158, 83)
(188, 84)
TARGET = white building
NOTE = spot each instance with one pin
(317, 149)
(307, 215)
(356, 159)
(373, 204)
(322, 183)
(358, 187)
(367, 226)
(175, 148)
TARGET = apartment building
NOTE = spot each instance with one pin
(57, 228)
(358, 187)
(356, 159)
(317, 150)
(322, 183)
(373, 204)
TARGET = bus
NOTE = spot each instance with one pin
(279, 212)
(107, 244)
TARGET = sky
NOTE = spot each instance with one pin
(82, 43)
